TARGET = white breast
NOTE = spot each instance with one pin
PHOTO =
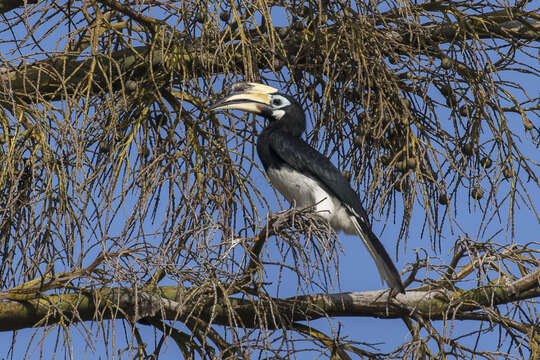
(303, 191)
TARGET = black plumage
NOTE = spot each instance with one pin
(304, 176)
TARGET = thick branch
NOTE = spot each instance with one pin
(123, 303)
(62, 74)
(8, 5)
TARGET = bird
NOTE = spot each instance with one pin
(304, 176)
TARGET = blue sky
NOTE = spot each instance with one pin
(357, 270)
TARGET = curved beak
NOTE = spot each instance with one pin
(251, 97)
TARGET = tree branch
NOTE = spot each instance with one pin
(117, 303)
(61, 74)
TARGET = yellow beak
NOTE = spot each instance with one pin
(250, 97)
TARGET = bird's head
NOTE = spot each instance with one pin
(283, 111)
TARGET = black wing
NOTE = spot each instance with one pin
(300, 156)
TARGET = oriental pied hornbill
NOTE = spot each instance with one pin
(301, 174)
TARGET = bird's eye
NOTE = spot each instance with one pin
(276, 102)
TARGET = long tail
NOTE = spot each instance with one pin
(385, 265)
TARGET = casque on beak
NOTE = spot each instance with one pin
(251, 97)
